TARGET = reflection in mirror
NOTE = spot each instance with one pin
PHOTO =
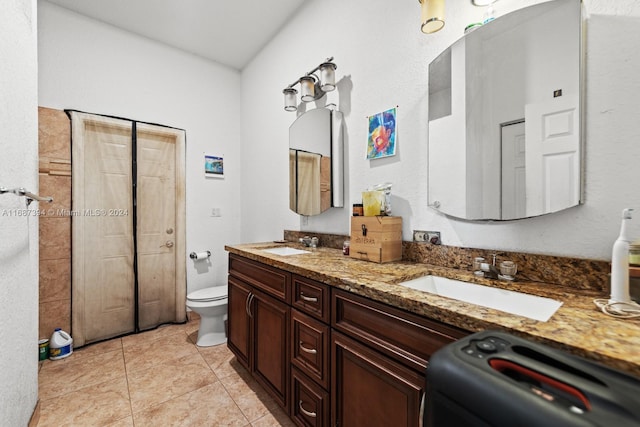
(315, 162)
(505, 116)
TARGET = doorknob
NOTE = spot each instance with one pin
(168, 244)
(169, 230)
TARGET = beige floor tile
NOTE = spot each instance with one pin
(251, 398)
(207, 406)
(241, 383)
(222, 361)
(77, 371)
(124, 422)
(161, 331)
(147, 353)
(255, 406)
(114, 344)
(275, 418)
(99, 404)
(168, 380)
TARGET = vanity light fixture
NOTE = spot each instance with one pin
(290, 99)
(312, 87)
(432, 15)
(307, 88)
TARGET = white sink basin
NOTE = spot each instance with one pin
(285, 251)
(531, 306)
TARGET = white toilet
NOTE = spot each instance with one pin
(211, 305)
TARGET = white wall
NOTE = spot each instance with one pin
(18, 234)
(383, 61)
(89, 66)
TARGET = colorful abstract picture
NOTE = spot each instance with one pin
(213, 166)
(381, 141)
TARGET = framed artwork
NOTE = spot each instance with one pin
(213, 166)
(381, 137)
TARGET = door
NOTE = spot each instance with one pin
(160, 249)
(270, 323)
(553, 155)
(128, 227)
(369, 389)
(103, 301)
(239, 326)
(513, 195)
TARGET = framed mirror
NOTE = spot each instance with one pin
(505, 107)
(315, 162)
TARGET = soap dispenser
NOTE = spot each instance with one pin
(620, 263)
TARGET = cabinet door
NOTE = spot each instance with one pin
(270, 326)
(370, 389)
(239, 331)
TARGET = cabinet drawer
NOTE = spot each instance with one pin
(271, 280)
(310, 347)
(311, 297)
(310, 404)
(406, 337)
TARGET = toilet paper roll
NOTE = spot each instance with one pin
(200, 255)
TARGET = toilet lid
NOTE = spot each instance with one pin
(208, 294)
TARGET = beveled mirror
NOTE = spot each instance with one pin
(505, 138)
(315, 162)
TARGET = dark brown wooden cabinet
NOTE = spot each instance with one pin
(310, 404)
(370, 389)
(259, 323)
(310, 347)
(379, 358)
(328, 356)
(270, 333)
(238, 320)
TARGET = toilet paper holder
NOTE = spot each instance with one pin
(200, 255)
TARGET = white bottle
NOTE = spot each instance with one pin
(620, 263)
(60, 345)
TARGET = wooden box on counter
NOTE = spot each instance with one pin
(376, 238)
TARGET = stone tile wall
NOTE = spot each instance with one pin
(54, 136)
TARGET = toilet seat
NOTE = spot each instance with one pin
(214, 293)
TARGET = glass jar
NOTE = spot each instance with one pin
(634, 254)
(345, 247)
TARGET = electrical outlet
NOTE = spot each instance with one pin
(427, 236)
(215, 212)
(419, 236)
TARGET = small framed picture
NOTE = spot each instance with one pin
(381, 138)
(213, 166)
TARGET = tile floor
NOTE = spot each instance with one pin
(157, 378)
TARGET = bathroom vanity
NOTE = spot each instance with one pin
(338, 341)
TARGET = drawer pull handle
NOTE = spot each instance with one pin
(307, 350)
(308, 299)
(304, 411)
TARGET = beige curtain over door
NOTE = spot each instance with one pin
(160, 221)
(105, 234)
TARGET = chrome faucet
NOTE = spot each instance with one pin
(310, 242)
(484, 269)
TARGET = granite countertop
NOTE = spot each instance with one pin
(577, 327)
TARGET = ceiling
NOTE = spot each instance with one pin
(230, 32)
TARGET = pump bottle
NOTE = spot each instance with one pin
(620, 263)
